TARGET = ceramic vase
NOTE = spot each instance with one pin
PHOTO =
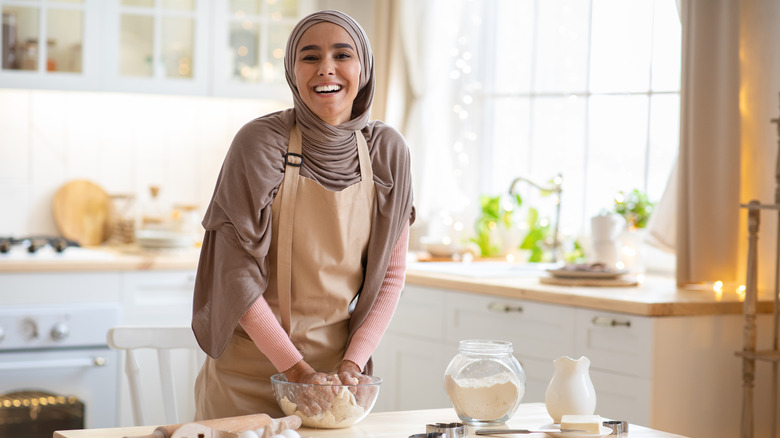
(570, 391)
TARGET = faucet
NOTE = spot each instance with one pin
(555, 187)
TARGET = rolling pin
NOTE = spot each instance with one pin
(225, 427)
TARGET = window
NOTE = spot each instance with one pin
(588, 89)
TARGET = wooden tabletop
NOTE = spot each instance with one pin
(399, 424)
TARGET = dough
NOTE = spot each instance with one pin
(343, 412)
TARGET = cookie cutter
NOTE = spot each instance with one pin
(448, 430)
(427, 435)
(618, 427)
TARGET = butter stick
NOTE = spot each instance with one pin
(586, 423)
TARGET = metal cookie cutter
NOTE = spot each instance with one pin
(427, 435)
(448, 430)
(619, 428)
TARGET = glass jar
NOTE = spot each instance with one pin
(484, 382)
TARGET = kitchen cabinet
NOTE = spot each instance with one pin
(670, 372)
(226, 48)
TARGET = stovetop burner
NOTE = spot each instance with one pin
(34, 243)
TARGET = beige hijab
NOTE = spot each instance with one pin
(233, 269)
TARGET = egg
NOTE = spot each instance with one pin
(289, 433)
(248, 434)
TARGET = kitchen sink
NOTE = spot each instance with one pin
(487, 269)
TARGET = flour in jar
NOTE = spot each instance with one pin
(485, 399)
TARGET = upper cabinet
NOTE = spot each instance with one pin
(229, 48)
(50, 44)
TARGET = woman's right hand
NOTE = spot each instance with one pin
(312, 402)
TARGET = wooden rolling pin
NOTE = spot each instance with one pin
(228, 427)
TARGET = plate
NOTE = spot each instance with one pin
(159, 239)
(571, 273)
(604, 431)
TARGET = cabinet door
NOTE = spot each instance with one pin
(157, 46)
(69, 58)
(413, 373)
(250, 37)
(616, 342)
(158, 297)
(536, 330)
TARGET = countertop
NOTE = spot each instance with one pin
(102, 258)
(653, 296)
(387, 424)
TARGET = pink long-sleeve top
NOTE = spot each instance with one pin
(270, 338)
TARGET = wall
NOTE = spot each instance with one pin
(123, 142)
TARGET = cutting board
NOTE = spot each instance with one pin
(82, 212)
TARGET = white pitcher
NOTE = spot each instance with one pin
(570, 391)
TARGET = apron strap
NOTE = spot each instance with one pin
(293, 161)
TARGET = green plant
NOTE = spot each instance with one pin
(537, 234)
(635, 207)
(494, 214)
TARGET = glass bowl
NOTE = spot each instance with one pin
(326, 406)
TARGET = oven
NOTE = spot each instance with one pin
(56, 370)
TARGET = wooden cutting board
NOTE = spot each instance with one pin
(82, 211)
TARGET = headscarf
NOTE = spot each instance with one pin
(233, 269)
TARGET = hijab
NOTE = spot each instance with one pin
(233, 269)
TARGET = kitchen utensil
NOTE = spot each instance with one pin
(523, 431)
(162, 239)
(228, 427)
(82, 210)
(448, 430)
(346, 404)
(603, 431)
(618, 427)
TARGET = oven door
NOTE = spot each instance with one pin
(88, 374)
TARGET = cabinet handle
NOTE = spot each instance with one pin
(504, 308)
(605, 321)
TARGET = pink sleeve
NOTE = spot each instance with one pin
(367, 337)
(261, 325)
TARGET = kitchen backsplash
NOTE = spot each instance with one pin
(123, 142)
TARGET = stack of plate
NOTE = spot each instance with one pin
(162, 239)
(588, 275)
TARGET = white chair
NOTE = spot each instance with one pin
(163, 339)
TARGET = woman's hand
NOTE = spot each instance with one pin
(349, 373)
(312, 401)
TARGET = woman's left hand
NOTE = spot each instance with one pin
(349, 374)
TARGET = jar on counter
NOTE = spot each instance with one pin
(484, 382)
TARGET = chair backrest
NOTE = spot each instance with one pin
(160, 338)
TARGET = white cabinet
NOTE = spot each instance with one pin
(673, 373)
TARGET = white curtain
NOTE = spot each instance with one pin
(709, 159)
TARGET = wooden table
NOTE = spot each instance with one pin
(399, 424)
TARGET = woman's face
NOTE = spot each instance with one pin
(327, 72)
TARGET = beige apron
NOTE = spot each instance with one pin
(315, 272)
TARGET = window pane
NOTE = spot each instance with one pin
(67, 1)
(513, 46)
(179, 5)
(511, 136)
(244, 42)
(277, 9)
(667, 46)
(562, 51)
(558, 147)
(273, 66)
(664, 141)
(177, 46)
(141, 3)
(239, 8)
(616, 151)
(620, 46)
(20, 38)
(65, 35)
(136, 46)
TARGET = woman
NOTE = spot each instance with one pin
(304, 254)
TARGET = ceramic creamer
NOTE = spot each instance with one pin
(570, 391)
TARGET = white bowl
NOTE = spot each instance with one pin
(439, 247)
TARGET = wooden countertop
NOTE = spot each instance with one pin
(105, 258)
(387, 424)
(653, 296)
